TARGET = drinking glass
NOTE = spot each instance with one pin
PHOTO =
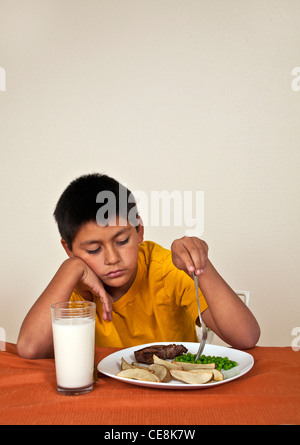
(73, 326)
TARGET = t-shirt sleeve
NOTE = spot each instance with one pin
(75, 296)
(181, 288)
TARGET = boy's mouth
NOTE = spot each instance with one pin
(114, 273)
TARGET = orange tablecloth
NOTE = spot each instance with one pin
(268, 394)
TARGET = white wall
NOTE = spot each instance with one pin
(163, 95)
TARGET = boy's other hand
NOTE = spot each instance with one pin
(89, 285)
(190, 254)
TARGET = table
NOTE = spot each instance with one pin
(268, 394)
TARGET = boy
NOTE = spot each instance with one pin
(143, 292)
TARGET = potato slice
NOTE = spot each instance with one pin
(138, 374)
(186, 366)
(125, 364)
(169, 365)
(217, 375)
(138, 365)
(161, 372)
(192, 377)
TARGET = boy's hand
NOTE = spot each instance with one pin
(190, 254)
(89, 285)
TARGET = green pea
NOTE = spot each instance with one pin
(221, 362)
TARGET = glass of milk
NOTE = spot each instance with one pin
(73, 326)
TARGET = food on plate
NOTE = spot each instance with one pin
(145, 355)
(217, 375)
(231, 372)
(138, 374)
(161, 372)
(126, 365)
(169, 365)
(220, 362)
(184, 368)
(199, 367)
(192, 377)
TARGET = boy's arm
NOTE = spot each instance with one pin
(35, 337)
(226, 314)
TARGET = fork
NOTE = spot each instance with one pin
(202, 324)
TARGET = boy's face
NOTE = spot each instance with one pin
(111, 252)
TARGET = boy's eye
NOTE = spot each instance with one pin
(92, 252)
(125, 241)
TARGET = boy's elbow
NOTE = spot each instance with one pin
(24, 351)
(28, 350)
(250, 340)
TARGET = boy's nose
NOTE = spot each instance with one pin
(111, 256)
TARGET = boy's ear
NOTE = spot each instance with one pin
(65, 246)
(140, 231)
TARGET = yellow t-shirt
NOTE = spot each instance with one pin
(161, 304)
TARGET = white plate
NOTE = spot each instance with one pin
(111, 364)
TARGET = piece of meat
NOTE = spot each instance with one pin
(145, 355)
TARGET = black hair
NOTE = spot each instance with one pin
(93, 197)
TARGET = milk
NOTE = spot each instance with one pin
(74, 348)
